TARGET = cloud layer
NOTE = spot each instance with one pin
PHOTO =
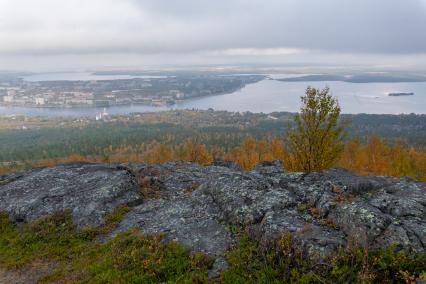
(220, 27)
(60, 34)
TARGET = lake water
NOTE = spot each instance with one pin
(269, 96)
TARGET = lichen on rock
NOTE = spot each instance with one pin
(197, 206)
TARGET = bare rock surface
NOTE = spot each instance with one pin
(89, 191)
(324, 211)
(200, 206)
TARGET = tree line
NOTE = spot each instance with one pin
(377, 156)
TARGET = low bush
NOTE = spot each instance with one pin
(79, 256)
(286, 263)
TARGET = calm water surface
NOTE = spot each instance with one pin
(269, 96)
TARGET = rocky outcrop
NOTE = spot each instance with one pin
(89, 191)
(199, 206)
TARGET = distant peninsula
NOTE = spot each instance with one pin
(358, 78)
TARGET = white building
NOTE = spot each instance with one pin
(11, 92)
(40, 101)
(102, 115)
(8, 99)
(177, 94)
(180, 95)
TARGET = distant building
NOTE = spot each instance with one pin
(77, 101)
(177, 94)
(102, 115)
(81, 95)
(11, 92)
(8, 99)
(180, 96)
(101, 103)
(40, 101)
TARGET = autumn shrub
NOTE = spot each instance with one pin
(285, 262)
(375, 156)
(196, 152)
(316, 141)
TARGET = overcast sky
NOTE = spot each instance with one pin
(66, 34)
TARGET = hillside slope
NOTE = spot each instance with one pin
(202, 207)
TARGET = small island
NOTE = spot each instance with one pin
(400, 94)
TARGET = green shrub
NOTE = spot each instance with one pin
(133, 257)
(54, 237)
(130, 257)
(284, 262)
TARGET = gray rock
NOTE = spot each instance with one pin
(269, 167)
(349, 182)
(317, 240)
(227, 164)
(219, 265)
(239, 196)
(193, 224)
(198, 206)
(360, 222)
(88, 191)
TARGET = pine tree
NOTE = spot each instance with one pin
(316, 142)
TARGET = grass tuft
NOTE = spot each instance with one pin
(286, 263)
(77, 256)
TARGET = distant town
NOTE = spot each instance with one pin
(156, 91)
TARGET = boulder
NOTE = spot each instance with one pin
(195, 225)
(89, 191)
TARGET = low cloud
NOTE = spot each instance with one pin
(258, 51)
(221, 27)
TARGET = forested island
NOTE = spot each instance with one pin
(400, 94)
